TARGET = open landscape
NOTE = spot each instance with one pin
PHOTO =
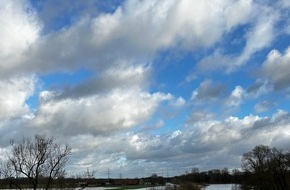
(129, 94)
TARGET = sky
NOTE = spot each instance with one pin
(146, 86)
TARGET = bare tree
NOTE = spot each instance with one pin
(278, 167)
(6, 172)
(40, 159)
(256, 160)
(89, 174)
(269, 167)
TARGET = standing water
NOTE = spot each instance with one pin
(222, 187)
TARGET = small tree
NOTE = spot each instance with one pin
(40, 159)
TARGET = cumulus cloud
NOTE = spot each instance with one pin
(199, 142)
(14, 93)
(91, 41)
(14, 110)
(233, 135)
(236, 97)
(184, 24)
(208, 91)
(19, 31)
(276, 69)
(239, 12)
(107, 112)
(97, 114)
(261, 33)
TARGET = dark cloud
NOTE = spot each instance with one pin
(113, 78)
(209, 91)
(276, 69)
(261, 125)
(255, 88)
(197, 116)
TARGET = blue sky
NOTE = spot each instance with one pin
(164, 85)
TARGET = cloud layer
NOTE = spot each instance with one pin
(98, 78)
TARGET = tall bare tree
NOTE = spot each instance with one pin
(39, 160)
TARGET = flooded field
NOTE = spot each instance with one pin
(221, 187)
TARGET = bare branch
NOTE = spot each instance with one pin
(38, 158)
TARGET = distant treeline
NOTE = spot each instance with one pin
(13, 183)
(215, 176)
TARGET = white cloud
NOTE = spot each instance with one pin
(233, 135)
(262, 22)
(276, 69)
(236, 97)
(215, 62)
(14, 111)
(96, 116)
(262, 34)
(106, 113)
(171, 23)
(92, 42)
(285, 3)
(200, 143)
(19, 30)
(179, 102)
(137, 30)
(238, 13)
(14, 93)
